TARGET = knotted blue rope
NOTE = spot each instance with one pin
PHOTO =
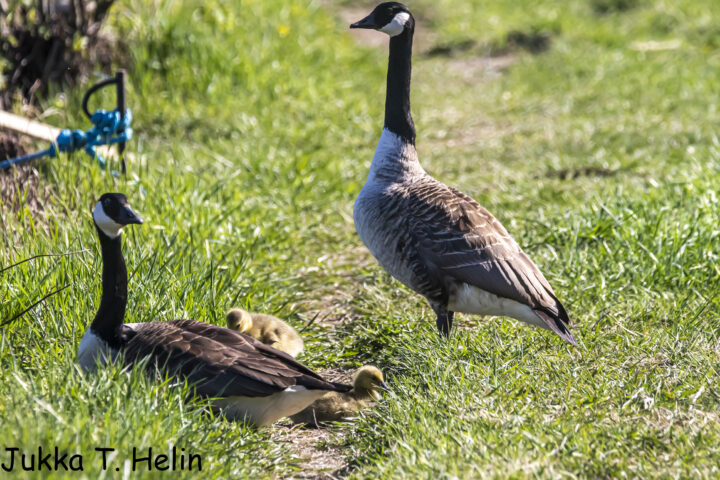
(108, 128)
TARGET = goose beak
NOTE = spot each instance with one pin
(367, 22)
(128, 217)
(384, 386)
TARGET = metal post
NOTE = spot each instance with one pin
(120, 92)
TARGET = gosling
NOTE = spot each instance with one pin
(333, 407)
(266, 328)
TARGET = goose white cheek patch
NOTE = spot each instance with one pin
(106, 224)
(397, 25)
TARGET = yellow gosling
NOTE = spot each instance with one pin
(266, 328)
(333, 407)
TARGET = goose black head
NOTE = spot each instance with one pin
(113, 212)
(392, 18)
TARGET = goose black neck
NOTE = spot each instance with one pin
(397, 103)
(111, 314)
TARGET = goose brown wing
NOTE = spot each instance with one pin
(219, 361)
(463, 241)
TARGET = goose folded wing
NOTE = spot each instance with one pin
(220, 362)
(261, 352)
(464, 242)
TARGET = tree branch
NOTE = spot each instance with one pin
(44, 255)
(34, 305)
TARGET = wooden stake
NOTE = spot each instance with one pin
(29, 127)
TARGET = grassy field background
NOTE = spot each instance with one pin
(255, 123)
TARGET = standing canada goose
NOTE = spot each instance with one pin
(266, 328)
(334, 406)
(247, 379)
(431, 237)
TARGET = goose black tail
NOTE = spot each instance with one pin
(558, 323)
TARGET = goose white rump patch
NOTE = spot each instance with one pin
(397, 25)
(267, 410)
(469, 299)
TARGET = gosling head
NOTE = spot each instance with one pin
(238, 319)
(113, 212)
(368, 380)
(392, 18)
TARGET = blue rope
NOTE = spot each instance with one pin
(109, 128)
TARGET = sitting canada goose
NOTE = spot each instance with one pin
(334, 406)
(247, 379)
(266, 328)
(431, 237)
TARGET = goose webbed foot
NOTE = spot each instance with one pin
(444, 321)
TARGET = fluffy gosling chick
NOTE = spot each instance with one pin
(266, 328)
(333, 406)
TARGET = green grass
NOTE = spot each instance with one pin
(256, 122)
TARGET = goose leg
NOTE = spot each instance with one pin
(444, 319)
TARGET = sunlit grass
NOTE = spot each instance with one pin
(256, 122)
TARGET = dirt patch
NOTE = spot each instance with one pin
(328, 300)
(472, 67)
(573, 173)
(331, 291)
(20, 188)
(451, 49)
(11, 145)
(606, 7)
(315, 448)
(534, 42)
(318, 460)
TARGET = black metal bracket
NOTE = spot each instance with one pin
(119, 81)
